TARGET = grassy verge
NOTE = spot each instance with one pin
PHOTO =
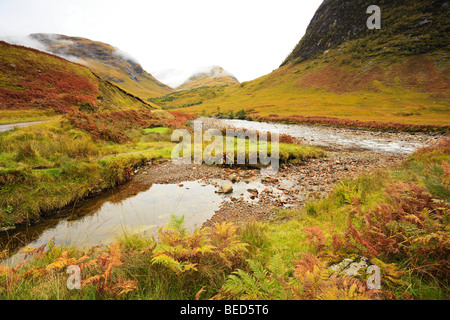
(242, 151)
(397, 218)
(17, 116)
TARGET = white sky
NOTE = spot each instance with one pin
(249, 38)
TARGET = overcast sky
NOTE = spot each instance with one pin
(249, 38)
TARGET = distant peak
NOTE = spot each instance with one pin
(214, 72)
(208, 76)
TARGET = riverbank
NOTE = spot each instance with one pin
(204, 194)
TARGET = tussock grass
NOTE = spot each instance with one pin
(52, 164)
(285, 258)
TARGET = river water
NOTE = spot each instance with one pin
(332, 137)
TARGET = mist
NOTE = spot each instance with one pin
(28, 41)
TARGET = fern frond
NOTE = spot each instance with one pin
(276, 265)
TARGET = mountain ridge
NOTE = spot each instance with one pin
(421, 24)
(107, 61)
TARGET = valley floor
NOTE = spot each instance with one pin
(389, 209)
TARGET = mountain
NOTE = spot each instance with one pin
(343, 69)
(106, 61)
(35, 80)
(408, 27)
(208, 76)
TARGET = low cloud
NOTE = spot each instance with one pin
(176, 77)
(125, 55)
(31, 42)
(25, 41)
(171, 77)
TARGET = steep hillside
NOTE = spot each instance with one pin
(210, 76)
(408, 27)
(342, 69)
(34, 80)
(107, 61)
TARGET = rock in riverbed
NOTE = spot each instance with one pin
(225, 189)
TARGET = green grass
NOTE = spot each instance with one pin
(242, 150)
(285, 235)
(52, 164)
(160, 130)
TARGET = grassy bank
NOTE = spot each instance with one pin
(50, 165)
(397, 218)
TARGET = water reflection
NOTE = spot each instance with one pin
(101, 221)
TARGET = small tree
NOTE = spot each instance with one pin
(241, 114)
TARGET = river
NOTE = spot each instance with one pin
(144, 208)
(333, 138)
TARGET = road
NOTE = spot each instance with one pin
(7, 127)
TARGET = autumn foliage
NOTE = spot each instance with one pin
(111, 126)
(412, 226)
(110, 272)
(33, 79)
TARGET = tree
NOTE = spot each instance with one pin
(241, 114)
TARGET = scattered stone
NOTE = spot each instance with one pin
(227, 189)
(350, 267)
